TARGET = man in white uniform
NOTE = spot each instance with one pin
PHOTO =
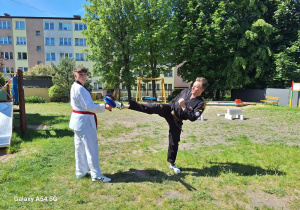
(84, 123)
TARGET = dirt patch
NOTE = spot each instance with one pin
(261, 199)
(38, 127)
(173, 195)
(255, 199)
(4, 156)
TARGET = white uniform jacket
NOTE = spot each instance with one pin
(81, 100)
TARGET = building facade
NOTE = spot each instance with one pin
(29, 41)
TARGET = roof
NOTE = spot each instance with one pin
(75, 17)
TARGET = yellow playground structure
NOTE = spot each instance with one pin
(138, 92)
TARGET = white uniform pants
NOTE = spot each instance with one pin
(86, 152)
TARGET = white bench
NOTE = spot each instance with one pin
(231, 112)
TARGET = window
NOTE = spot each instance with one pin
(49, 26)
(150, 86)
(5, 40)
(21, 40)
(65, 26)
(169, 74)
(65, 55)
(124, 86)
(39, 62)
(50, 41)
(22, 56)
(65, 41)
(168, 86)
(80, 57)
(7, 55)
(4, 24)
(80, 42)
(38, 48)
(98, 85)
(8, 69)
(80, 26)
(23, 68)
(50, 57)
(20, 25)
(38, 33)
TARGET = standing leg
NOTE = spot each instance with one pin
(91, 148)
(80, 156)
(174, 139)
(164, 110)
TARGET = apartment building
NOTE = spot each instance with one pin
(29, 41)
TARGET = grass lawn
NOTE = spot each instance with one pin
(226, 164)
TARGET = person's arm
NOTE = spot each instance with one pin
(180, 95)
(87, 102)
(195, 113)
(181, 102)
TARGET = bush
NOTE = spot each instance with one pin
(56, 94)
(35, 99)
(2, 81)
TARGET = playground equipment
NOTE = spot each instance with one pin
(295, 87)
(138, 92)
(6, 115)
(15, 96)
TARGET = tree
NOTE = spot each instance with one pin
(110, 31)
(40, 70)
(285, 17)
(154, 40)
(228, 42)
(288, 64)
(63, 78)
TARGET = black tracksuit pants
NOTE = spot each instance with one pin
(163, 110)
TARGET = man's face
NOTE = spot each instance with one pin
(197, 88)
(81, 77)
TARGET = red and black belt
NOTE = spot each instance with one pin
(90, 113)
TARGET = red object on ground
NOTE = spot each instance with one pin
(238, 101)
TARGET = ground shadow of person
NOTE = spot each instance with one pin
(218, 168)
(149, 175)
(152, 175)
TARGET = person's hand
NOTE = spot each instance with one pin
(108, 107)
(181, 102)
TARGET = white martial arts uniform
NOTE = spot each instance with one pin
(85, 131)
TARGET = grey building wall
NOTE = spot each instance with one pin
(255, 95)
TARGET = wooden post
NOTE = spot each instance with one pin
(137, 91)
(21, 101)
(163, 89)
(291, 96)
(140, 89)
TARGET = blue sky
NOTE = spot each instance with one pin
(42, 8)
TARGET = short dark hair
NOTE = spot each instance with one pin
(80, 69)
(204, 82)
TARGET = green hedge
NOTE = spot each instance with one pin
(35, 99)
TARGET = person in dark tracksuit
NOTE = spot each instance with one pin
(188, 105)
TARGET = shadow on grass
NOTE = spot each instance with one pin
(151, 175)
(242, 170)
(43, 128)
(42, 119)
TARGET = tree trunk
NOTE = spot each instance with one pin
(218, 94)
(129, 92)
